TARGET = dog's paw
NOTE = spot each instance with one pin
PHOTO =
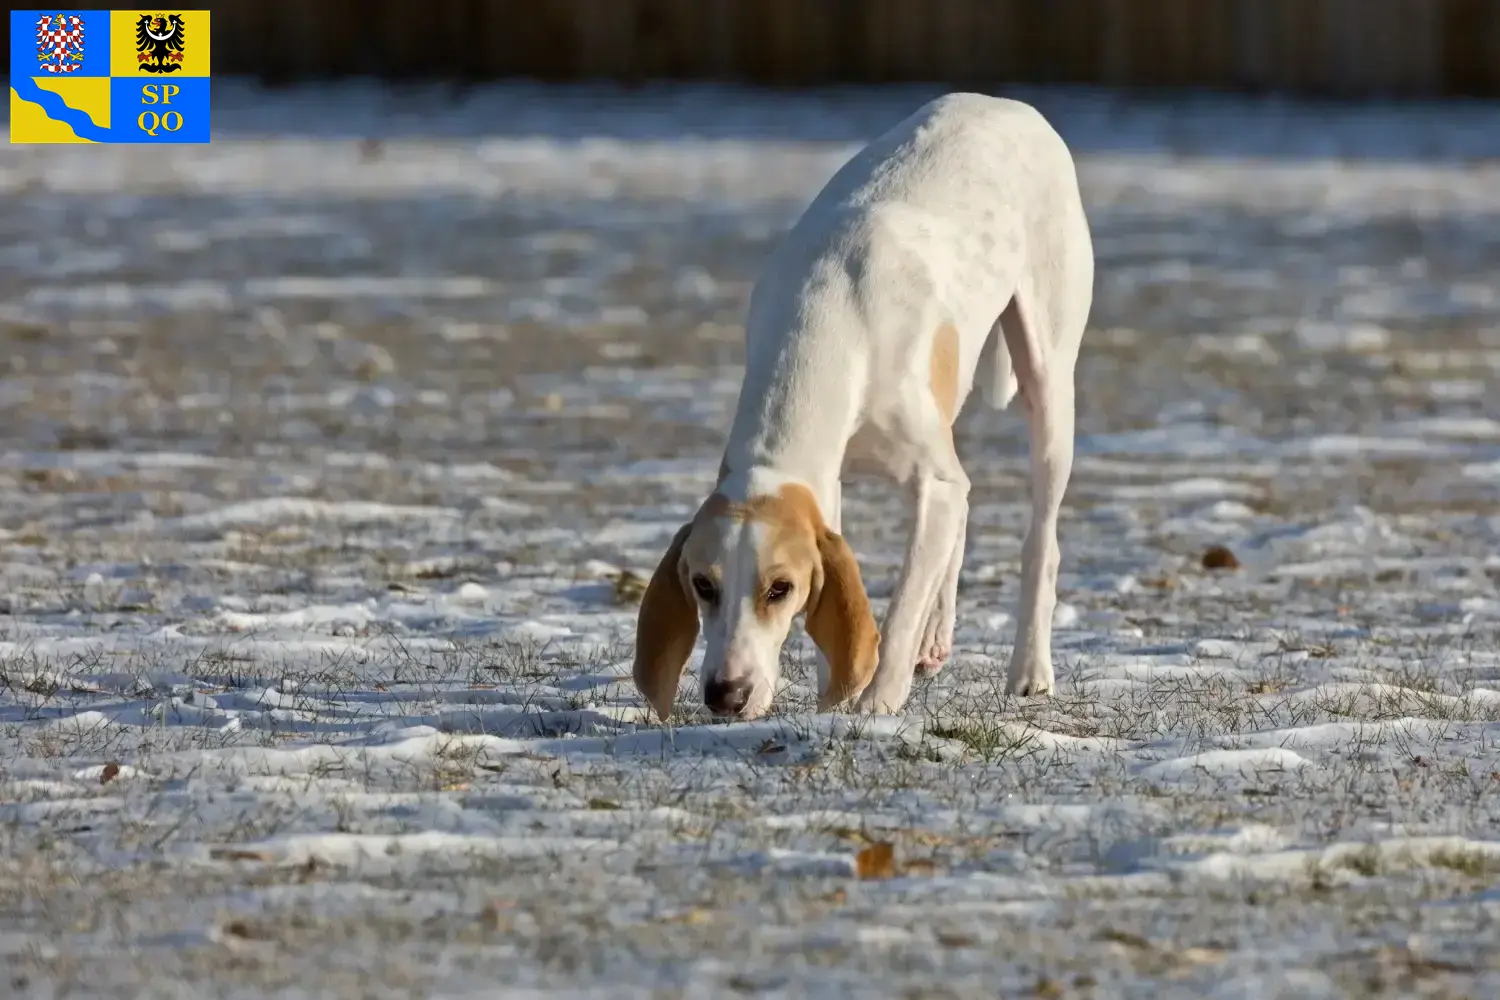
(1029, 680)
(880, 700)
(937, 643)
(932, 661)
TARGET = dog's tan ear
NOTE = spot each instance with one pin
(665, 630)
(839, 620)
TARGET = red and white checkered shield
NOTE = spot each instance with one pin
(59, 43)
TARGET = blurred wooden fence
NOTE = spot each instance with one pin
(1343, 47)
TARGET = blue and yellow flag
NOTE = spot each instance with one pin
(109, 76)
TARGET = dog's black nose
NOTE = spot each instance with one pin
(726, 697)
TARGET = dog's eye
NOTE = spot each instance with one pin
(778, 591)
(705, 588)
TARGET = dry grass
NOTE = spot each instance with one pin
(184, 703)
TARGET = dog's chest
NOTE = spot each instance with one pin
(886, 448)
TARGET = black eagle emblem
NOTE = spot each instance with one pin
(158, 40)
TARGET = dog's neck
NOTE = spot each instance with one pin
(740, 485)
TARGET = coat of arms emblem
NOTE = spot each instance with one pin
(158, 41)
(59, 43)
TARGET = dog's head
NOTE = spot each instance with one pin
(748, 569)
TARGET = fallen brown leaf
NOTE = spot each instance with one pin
(1125, 938)
(876, 861)
(493, 917)
(110, 773)
(242, 929)
(1218, 557)
(692, 916)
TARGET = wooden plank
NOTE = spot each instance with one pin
(716, 47)
(910, 42)
(604, 36)
(997, 40)
(800, 41)
(1425, 61)
(1470, 47)
(1074, 33)
(1462, 27)
(1299, 56)
(1378, 47)
(952, 41)
(878, 64)
(1349, 47)
(1489, 45)
(452, 51)
(340, 34)
(1208, 43)
(753, 61)
(1117, 48)
(1146, 61)
(399, 46)
(1406, 38)
(537, 41)
(1178, 57)
(848, 58)
(1343, 42)
(267, 31)
(682, 28)
(1252, 44)
(1037, 62)
(234, 49)
(1489, 83)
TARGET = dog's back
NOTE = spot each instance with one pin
(930, 224)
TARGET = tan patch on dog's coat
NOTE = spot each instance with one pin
(942, 375)
(790, 551)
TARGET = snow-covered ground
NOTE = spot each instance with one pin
(323, 450)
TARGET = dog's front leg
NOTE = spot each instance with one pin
(937, 638)
(940, 508)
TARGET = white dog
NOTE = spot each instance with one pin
(953, 248)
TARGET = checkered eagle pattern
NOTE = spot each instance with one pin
(59, 42)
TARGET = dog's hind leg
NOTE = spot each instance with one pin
(1045, 378)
